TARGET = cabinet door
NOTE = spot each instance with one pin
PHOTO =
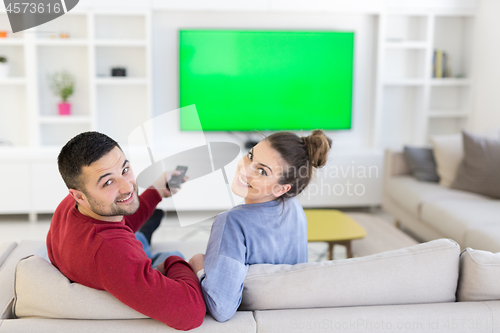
(48, 187)
(15, 196)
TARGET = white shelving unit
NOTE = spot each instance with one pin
(411, 105)
(131, 46)
(14, 89)
(96, 41)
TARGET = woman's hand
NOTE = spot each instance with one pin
(197, 262)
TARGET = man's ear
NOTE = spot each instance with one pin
(279, 190)
(78, 196)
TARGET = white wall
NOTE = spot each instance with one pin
(166, 25)
(487, 67)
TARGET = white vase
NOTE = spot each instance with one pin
(4, 70)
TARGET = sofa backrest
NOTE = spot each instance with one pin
(424, 273)
(5, 251)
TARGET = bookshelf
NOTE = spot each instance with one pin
(412, 105)
(94, 42)
(13, 88)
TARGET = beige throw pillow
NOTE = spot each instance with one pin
(448, 153)
(479, 171)
(41, 290)
(479, 276)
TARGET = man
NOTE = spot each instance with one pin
(91, 238)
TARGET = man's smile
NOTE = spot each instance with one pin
(127, 199)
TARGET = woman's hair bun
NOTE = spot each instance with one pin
(318, 145)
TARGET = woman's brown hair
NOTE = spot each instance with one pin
(301, 155)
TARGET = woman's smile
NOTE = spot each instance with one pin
(242, 181)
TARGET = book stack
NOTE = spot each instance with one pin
(440, 64)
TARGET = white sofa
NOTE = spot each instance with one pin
(407, 290)
(431, 211)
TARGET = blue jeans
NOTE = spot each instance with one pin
(157, 258)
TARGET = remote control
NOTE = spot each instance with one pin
(176, 180)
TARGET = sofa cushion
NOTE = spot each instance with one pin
(422, 163)
(411, 193)
(479, 276)
(478, 171)
(454, 218)
(469, 317)
(424, 273)
(242, 322)
(448, 152)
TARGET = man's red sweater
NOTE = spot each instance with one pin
(106, 256)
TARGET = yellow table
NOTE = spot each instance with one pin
(333, 227)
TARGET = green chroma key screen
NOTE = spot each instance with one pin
(244, 80)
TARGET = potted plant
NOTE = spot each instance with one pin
(4, 67)
(62, 84)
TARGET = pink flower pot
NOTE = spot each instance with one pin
(64, 109)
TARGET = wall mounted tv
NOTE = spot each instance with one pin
(246, 80)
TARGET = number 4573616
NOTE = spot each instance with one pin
(33, 8)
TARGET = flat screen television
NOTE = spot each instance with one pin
(246, 80)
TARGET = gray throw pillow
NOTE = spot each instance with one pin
(422, 163)
(479, 171)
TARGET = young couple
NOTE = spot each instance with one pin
(92, 234)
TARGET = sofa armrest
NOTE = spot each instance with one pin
(395, 164)
(5, 251)
(24, 249)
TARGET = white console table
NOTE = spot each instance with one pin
(33, 185)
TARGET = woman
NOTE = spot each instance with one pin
(270, 228)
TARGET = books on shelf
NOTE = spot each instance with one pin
(440, 64)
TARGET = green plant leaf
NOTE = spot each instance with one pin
(62, 84)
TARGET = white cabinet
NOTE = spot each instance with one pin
(16, 194)
(347, 180)
(48, 188)
(30, 185)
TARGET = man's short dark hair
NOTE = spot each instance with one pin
(82, 150)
